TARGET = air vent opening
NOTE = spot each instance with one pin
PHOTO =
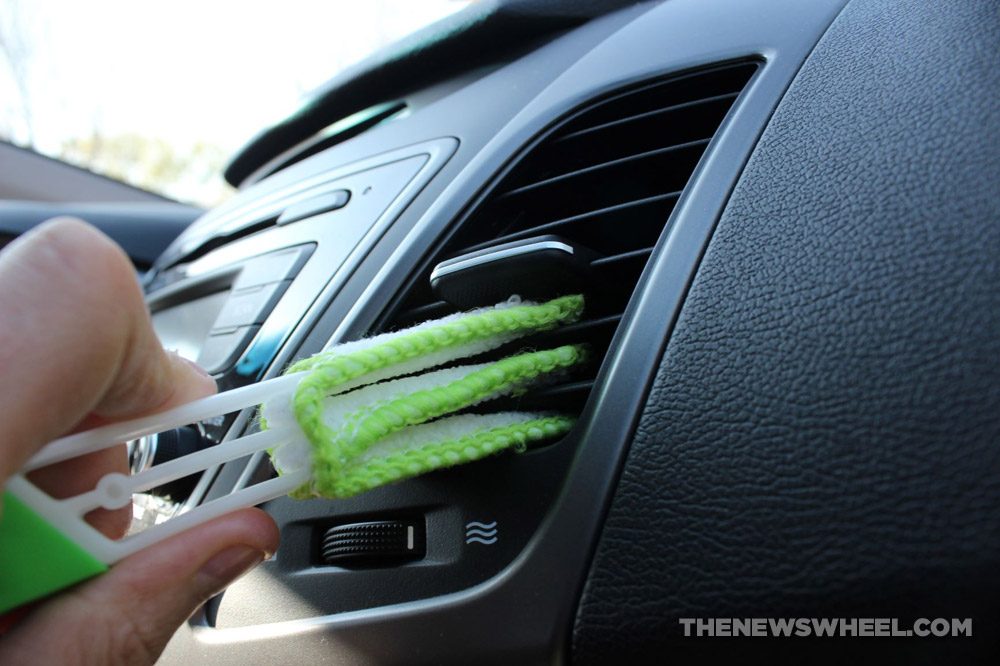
(607, 177)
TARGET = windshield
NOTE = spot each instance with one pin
(161, 94)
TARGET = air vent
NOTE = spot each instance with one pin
(605, 178)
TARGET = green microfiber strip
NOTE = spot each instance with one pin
(439, 455)
(337, 369)
(336, 453)
(332, 369)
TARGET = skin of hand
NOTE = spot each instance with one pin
(77, 349)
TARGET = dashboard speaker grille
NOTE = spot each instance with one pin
(606, 177)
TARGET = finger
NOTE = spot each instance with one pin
(76, 476)
(127, 615)
(190, 383)
(76, 339)
(72, 477)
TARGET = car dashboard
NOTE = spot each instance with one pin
(737, 170)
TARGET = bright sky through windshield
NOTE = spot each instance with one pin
(180, 84)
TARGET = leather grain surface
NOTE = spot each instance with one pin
(823, 435)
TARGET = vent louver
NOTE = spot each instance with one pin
(607, 178)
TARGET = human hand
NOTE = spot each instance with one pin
(77, 349)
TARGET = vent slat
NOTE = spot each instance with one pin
(603, 166)
(641, 253)
(658, 113)
(667, 92)
(559, 226)
(606, 178)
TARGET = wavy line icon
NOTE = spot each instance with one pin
(484, 533)
(475, 539)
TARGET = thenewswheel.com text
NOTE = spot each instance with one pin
(733, 627)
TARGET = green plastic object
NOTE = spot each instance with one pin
(36, 559)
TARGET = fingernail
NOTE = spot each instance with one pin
(229, 565)
(197, 368)
(176, 357)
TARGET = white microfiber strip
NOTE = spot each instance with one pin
(442, 430)
(337, 409)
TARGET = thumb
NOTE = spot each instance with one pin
(127, 615)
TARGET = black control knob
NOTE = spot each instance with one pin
(373, 543)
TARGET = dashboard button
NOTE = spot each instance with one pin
(251, 305)
(221, 349)
(323, 203)
(272, 267)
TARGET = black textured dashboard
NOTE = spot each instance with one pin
(823, 436)
(818, 437)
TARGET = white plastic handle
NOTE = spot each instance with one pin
(192, 412)
(62, 515)
(115, 490)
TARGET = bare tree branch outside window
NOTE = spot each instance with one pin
(16, 50)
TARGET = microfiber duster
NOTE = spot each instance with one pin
(350, 419)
